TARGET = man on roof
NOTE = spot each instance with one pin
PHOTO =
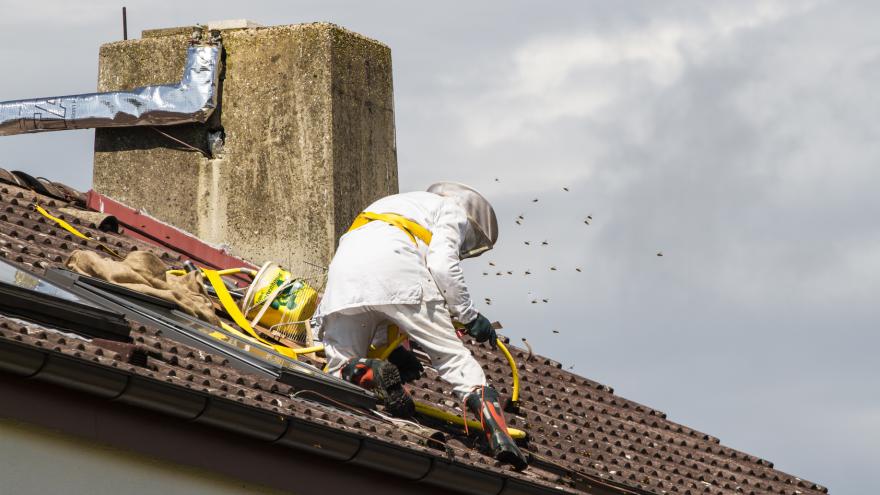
(399, 265)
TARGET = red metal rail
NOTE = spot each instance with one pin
(146, 228)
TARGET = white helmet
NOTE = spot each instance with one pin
(483, 231)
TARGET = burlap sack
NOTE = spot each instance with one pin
(145, 272)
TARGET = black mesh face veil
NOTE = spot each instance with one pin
(474, 243)
(483, 226)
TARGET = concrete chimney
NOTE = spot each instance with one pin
(303, 139)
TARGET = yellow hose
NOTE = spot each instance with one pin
(232, 271)
(514, 397)
(308, 350)
(514, 371)
(433, 412)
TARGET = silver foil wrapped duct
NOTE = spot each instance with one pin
(191, 100)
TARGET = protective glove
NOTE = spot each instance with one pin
(407, 363)
(481, 330)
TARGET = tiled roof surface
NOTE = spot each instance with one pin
(580, 432)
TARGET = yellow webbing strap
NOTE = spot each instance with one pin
(394, 344)
(227, 271)
(229, 305)
(409, 227)
(66, 226)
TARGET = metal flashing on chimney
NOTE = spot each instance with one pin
(193, 99)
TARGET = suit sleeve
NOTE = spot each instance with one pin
(444, 262)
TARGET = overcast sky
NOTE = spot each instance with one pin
(740, 139)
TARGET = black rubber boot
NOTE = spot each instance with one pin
(383, 378)
(407, 363)
(483, 403)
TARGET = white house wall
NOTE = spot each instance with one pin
(38, 461)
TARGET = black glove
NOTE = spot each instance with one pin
(481, 330)
(407, 363)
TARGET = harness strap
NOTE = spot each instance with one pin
(66, 226)
(409, 227)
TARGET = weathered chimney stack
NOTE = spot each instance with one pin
(302, 141)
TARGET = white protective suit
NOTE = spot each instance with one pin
(380, 276)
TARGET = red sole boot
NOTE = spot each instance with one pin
(382, 378)
(484, 403)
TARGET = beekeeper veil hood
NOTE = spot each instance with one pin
(483, 231)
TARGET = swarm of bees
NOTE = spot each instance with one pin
(519, 220)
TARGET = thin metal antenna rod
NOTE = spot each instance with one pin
(124, 24)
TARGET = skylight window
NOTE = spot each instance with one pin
(19, 277)
(30, 297)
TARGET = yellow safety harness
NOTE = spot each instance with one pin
(409, 227)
